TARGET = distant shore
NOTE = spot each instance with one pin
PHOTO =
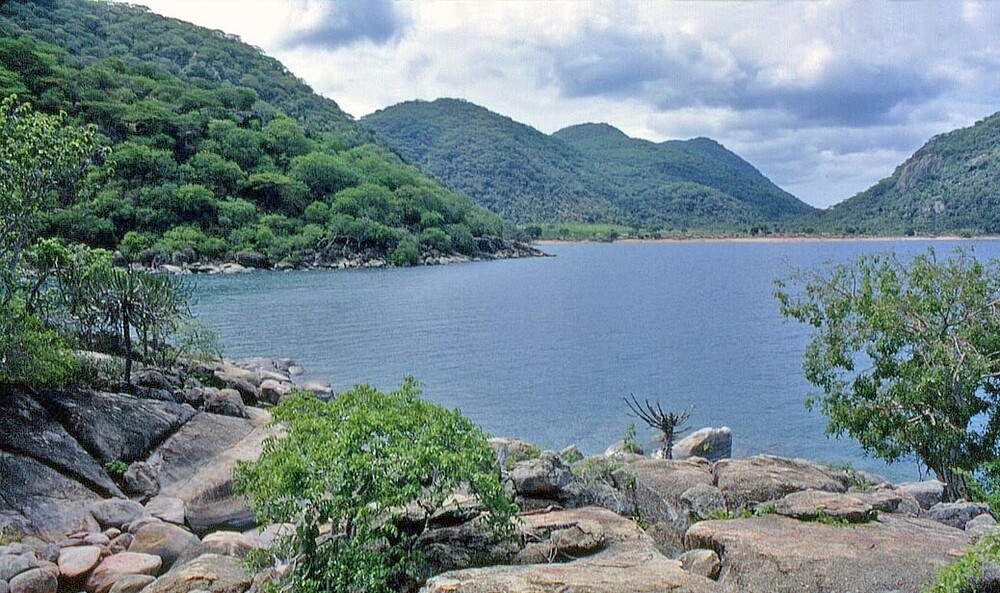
(772, 239)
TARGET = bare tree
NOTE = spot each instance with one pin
(669, 424)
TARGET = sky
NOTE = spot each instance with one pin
(823, 97)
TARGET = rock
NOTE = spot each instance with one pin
(763, 478)
(168, 541)
(701, 562)
(571, 454)
(464, 545)
(140, 479)
(265, 536)
(113, 568)
(229, 543)
(712, 444)
(251, 259)
(209, 572)
(132, 583)
(890, 500)
(955, 514)
(272, 391)
(97, 539)
(627, 561)
(542, 477)
(50, 567)
(928, 493)
(619, 448)
(655, 486)
(812, 505)
(49, 553)
(322, 390)
(227, 402)
(703, 501)
(77, 561)
(775, 554)
(115, 512)
(167, 508)
(12, 565)
(980, 525)
(4, 586)
(196, 466)
(35, 580)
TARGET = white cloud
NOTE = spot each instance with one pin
(823, 97)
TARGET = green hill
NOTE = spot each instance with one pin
(217, 147)
(950, 185)
(588, 173)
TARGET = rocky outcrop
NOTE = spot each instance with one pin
(775, 554)
(617, 556)
(762, 478)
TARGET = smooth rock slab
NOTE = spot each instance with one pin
(115, 567)
(763, 478)
(811, 505)
(77, 561)
(775, 554)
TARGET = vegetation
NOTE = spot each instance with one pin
(217, 148)
(962, 575)
(360, 478)
(669, 424)
(590, 174)
(907, 357)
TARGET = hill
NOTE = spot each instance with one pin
(217, 147)
(587, 173)
(950, 185)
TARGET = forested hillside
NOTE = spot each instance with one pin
(217, 147)
(950, 185)
(587, 173)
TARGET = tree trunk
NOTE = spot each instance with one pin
(956, 486)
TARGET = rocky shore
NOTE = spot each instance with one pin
(127, 492)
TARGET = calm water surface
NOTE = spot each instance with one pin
(546, 348)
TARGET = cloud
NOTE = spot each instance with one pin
(341, 23)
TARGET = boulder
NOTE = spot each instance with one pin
(655, 487)
(703, 501)
(115, 567)
(38, 499)
(981, 525)
(167, 508)
(624, 560)
(886, 499)
(12, 565)
(542, 477)
(209, 572)
(265, 535)
(227, 402)
(132, 583)
(229, 543)
(763, 478)
(170, 542)
(196, 466)
(140, 479)
(955, 514)
(272, 391)
(812, 505)
(465, 545)
(712, 444)
(36, 580)
(97, 539)
(115, 512)
(702, 562)
(775, 554)
(77, 561)
(928, 492)
(251, 259)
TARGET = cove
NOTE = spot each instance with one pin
(545, 348)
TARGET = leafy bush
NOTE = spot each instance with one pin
(30, 353)
(962, 574)
(359, 477)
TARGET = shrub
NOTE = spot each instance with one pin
(372, 468)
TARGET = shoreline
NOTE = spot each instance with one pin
(775, 239)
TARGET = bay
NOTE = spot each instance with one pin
(546, 348)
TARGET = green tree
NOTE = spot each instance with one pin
(906, 356)
(362, 465)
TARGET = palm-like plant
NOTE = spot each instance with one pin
(668, 423)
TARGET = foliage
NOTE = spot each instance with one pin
(30, 353)
(373, 468)
(629, 442)
(116, 468)
(584, 174)
(669, 424)
(906, 356)
(962, 574)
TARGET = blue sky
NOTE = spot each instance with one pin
(824, 97)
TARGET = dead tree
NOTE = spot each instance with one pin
(668, 423)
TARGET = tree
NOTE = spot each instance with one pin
(906, 356)
(360, 477)
(669, 424)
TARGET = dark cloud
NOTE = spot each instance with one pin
(344, 22)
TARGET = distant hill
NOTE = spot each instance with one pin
(950, 185)
(217, 147)
(587, 173)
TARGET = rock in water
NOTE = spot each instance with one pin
(711, 443)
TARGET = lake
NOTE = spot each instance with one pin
(546, 348)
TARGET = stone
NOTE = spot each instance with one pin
(209, 572)
(12, 565)
(463, 545)
(227, 402)
(626, 561)
(703, 501)
(115, 512)
(131, 583)
(776, 554)
(140, 479)
(167, 508)
(265, 535)
(542, 477)
(320, 389)
(51, 567)
(764, 478)
(955, 514)
(928, 492)
(4, 586)
(229, 543)
(571, 454)
(113, 568)
(251, 259)
(980, 525)
(712, 444)
(35, 580)
(891, 500)
(170, 542)
(812, 505)
(77, 561)
(97, 539)
(272, 391)
(701, 562)
(50, 553)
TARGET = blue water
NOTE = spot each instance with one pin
(545, 348)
